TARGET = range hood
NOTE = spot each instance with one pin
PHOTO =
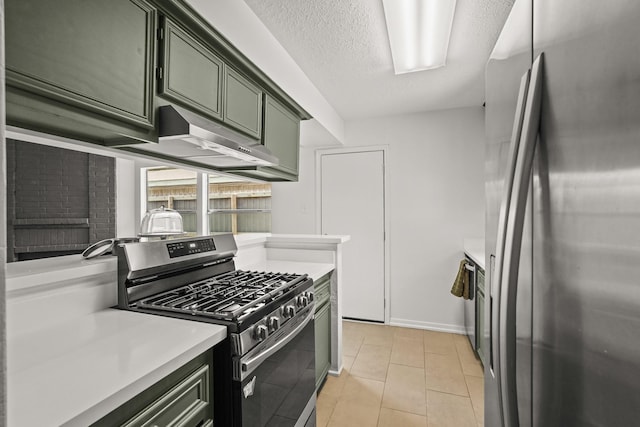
(186, 135)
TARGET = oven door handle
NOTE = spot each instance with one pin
(251, 364)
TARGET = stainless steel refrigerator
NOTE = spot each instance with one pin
(563, 216)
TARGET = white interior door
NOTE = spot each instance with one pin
(352, 202)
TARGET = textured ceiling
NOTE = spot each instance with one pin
(342, 46)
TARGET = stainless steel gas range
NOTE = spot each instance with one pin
(264, 372)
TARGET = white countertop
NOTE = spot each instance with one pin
(315, 270)
(28, 274)
(268, 238)
(311, 238)
(474, 248)
(75, 373)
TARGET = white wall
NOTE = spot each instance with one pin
(126, 220)
(293, 208)
(435, 175)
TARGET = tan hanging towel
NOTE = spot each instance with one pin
(466, 291)
(460, 286)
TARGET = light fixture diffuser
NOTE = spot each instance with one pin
(418, 32)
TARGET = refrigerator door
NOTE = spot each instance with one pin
(586, 324)
(510, 59)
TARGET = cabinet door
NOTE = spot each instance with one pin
(185, 404)
(282, 135)
(192, 73)
(323, 343)
(184, 398)
(92, 54)
(243, 104)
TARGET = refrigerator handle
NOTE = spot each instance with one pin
(496, 271)
(513, 245)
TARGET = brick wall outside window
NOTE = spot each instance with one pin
(58, 201)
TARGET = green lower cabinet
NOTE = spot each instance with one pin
(323, 343)
(182, 398)
(480, 328)
(82, 68)
(480, 319)
(322, 293)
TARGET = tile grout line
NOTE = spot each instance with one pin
(475, 415)
(395, 334)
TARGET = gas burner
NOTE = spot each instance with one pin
(229, 296)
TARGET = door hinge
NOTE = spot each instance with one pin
(159, 73)
(160, 33)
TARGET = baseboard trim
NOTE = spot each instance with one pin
(431, 326)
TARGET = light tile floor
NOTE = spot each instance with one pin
(402, 377)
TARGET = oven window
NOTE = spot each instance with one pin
(279, 390)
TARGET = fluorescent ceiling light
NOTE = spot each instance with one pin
(418, 32)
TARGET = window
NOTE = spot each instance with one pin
(232, 205)
(239, 206)
(59, 201)
(174, 189)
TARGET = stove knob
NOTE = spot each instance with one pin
(274, 323)
(309, 295)
(260, 332)
(289, 311)
(304, 301)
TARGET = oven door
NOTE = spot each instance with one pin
(274, 384)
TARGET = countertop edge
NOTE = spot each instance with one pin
(246, 240)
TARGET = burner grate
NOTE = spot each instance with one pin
(229, 296)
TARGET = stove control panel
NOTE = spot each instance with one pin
(190, 247)
(271, 323)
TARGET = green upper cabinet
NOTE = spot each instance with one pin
(282, 135)
(96, 71)
(192, 74)
(81, 63)
(243, 104)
